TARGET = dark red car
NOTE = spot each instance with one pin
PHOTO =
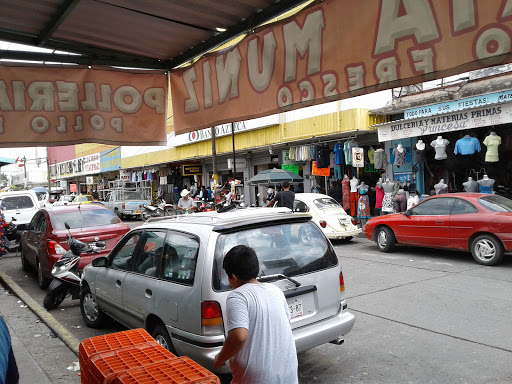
(45, 239)
(480, 223)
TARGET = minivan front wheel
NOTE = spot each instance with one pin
(161, 336)
(385, 239)
(91, 312)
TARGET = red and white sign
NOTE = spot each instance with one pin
(336, 49)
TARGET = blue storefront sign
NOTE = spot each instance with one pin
(110, 160)
(451, 106)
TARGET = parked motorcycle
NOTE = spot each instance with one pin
(66, 274)
(159, 210)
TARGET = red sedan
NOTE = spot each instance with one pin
(45, 239)
(481, 223)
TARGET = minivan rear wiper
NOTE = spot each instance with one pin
(277, 276)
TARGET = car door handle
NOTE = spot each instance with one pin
(149, 293)
(118, 283)
(439, 222)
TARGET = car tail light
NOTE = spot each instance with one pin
(55, 248)
(323, 223)
(354, 221)
(342, 282)
(211, 318)
(123, 206)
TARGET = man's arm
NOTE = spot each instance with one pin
(234, 343)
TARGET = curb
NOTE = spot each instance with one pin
(71, 341)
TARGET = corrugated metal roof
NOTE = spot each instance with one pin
(142, 31)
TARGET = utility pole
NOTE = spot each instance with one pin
(48, 170)
(214, 165)
(25, 181)
(233, 141)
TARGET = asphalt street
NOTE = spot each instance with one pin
(422, 316)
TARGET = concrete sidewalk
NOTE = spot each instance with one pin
(42, 357)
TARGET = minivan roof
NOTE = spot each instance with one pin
(233, 220)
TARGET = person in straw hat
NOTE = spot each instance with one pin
(185, 203)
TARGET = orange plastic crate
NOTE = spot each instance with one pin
(111, 342)
(179, 371)
(103, 366)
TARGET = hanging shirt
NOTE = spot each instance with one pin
(332, 159)
(492, 142)
(371, 153)
(440, 148)
(347, 148)
(399, 156)
(338, 154)
(323, 157)
(380, 159)
(421, 155)
(467, 146)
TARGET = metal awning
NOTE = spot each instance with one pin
(6, 161)
(158, 34)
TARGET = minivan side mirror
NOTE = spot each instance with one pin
(100, 262)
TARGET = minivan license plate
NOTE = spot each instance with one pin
(295, 306)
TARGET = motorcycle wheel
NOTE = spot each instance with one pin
(53, 300)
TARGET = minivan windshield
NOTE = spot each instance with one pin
(496, 203)
(290, 249)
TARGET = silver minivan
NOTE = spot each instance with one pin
(166, 276)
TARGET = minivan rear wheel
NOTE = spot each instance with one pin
(161, 336)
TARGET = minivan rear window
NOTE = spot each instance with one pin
(290, 249)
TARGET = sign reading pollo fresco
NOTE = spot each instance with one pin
(60, 106)
(337, 49)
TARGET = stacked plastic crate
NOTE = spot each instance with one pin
(133, 356)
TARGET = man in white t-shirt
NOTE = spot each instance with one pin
(259, 343)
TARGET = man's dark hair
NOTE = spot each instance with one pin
(95, 195)
(241, 261)
(285, 184)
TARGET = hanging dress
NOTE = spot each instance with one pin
(379, 195)
(363, 207)
(345, 187)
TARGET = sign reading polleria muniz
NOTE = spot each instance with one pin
(59, 106)
(336, 49)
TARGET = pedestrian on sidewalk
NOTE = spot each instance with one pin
(259, 344)
(8, 368)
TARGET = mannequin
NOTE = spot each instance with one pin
(353, 195)
(470, 185)
(439, 145)
(380, 159)
(441, 187)
(379, 195)
(467, 146)
(387, 201)
(345, 189)
(363, 206)
(420, 150)
(485, 184)
(399, 155)
(492, 142)
(400, 201)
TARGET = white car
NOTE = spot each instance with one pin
(328, 214)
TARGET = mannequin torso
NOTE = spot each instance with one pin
(353, 184)
(439, 145)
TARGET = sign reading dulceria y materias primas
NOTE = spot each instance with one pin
(335, 49)
(437, 125)
(57, 106)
